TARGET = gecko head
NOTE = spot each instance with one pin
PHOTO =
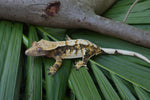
(41, 48)
(37, 49)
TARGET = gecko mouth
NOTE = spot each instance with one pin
(35, 53)
(29, 53)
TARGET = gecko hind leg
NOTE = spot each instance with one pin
(88, 54)
(84, 61)
(55, 67)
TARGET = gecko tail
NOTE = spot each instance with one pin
(124, 52)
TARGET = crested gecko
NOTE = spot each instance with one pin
(70, 49)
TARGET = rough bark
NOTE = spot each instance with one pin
(71, 14)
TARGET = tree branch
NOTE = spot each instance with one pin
(119, 30)
(72, 14)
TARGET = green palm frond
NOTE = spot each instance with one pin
(34, 71)
(10, 54)
(110, 77)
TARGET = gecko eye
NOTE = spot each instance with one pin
(39, 49)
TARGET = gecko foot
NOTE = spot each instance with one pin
(49, 73)
(76, 67)
(79, 64)
(48, 69)
(52, 71)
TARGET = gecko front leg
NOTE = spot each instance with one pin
(53, 69)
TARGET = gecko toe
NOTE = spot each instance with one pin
(49, 73)
(77, 69)
(53, 74)
(48, 69)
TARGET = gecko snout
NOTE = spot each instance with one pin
(26, 52)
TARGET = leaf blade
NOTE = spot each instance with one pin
(105, 86)
(82, 85)
(34, 71)
(10, 71)
(123, 90)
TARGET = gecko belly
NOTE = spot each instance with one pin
(73, 54)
